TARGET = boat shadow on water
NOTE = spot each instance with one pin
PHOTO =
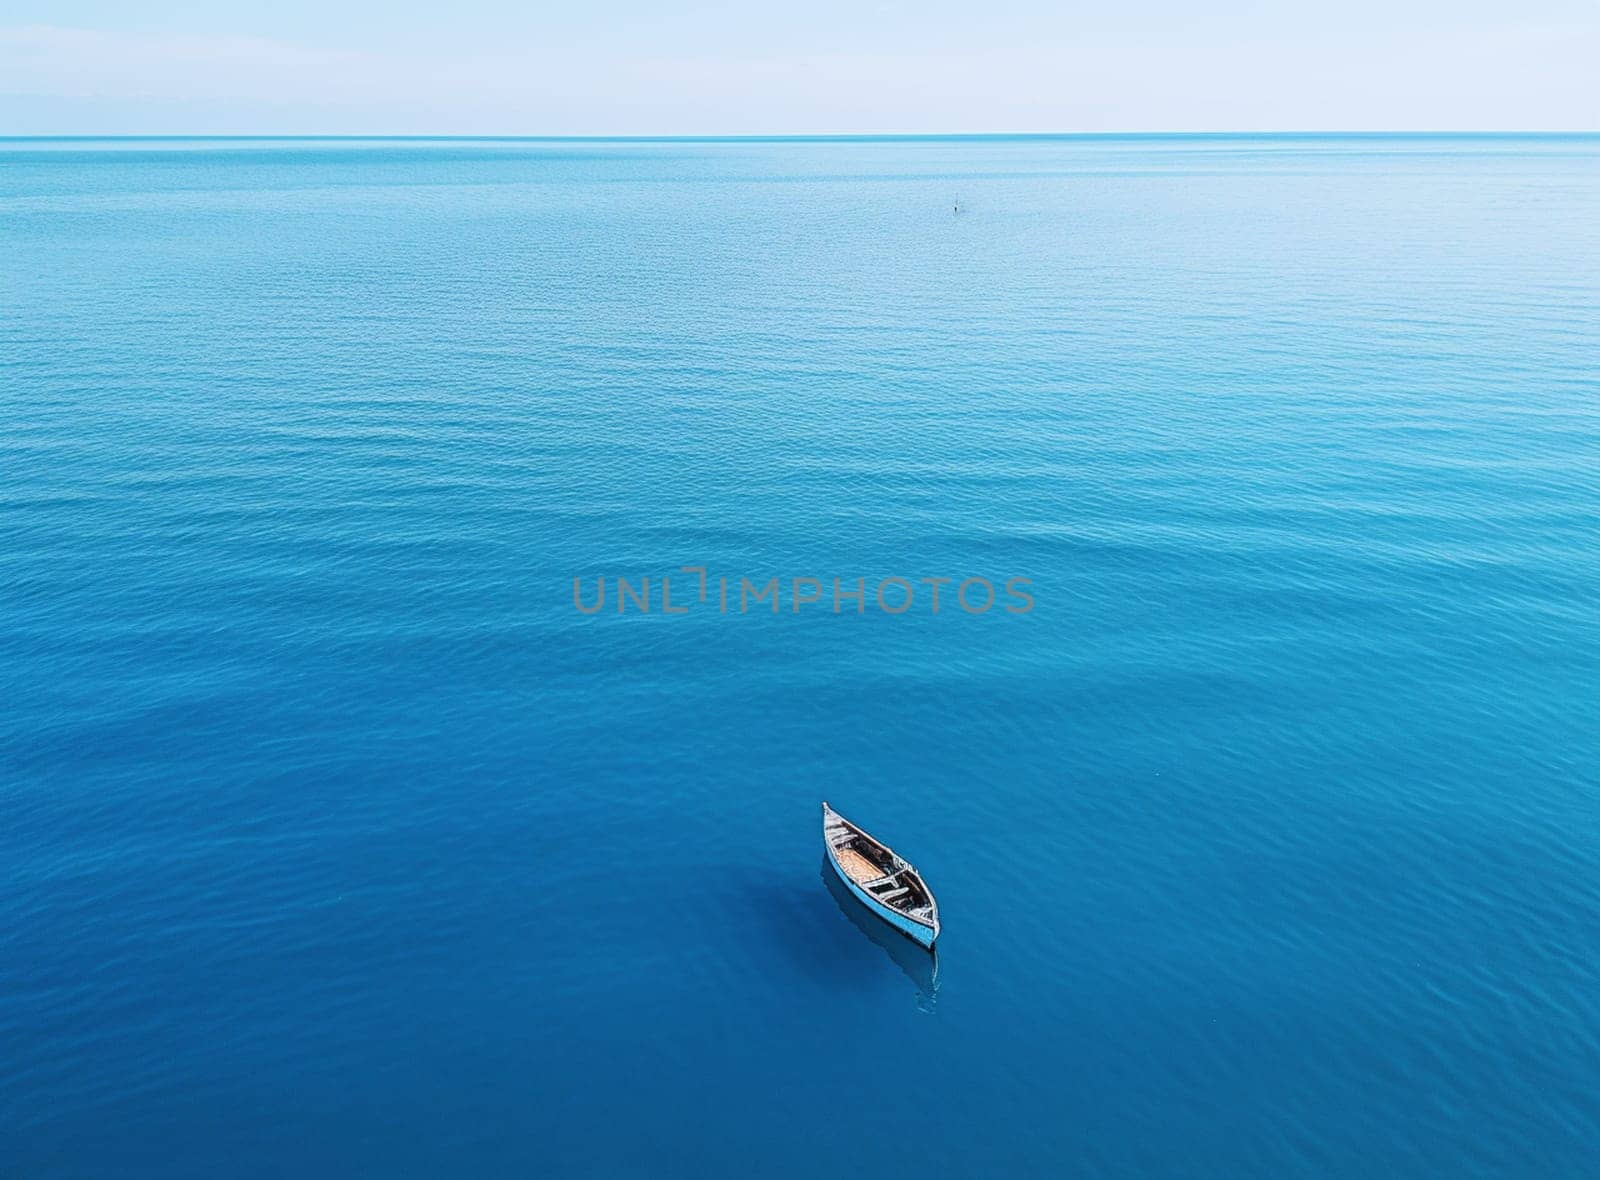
(919, 965)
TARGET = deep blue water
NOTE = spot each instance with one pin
(334, 841)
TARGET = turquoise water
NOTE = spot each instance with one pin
(337, 841)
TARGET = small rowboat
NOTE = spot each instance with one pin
(888, 886)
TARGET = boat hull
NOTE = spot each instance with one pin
(912, 929)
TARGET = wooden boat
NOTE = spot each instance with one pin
(888, 886)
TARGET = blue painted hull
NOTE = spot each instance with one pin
(916, 931)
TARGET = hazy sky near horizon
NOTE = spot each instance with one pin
(631, 67)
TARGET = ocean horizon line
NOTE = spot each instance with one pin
(798, 137)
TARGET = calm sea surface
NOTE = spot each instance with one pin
(335, 842)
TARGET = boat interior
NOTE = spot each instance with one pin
(878, 871)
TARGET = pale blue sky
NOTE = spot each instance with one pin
(631, 67)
